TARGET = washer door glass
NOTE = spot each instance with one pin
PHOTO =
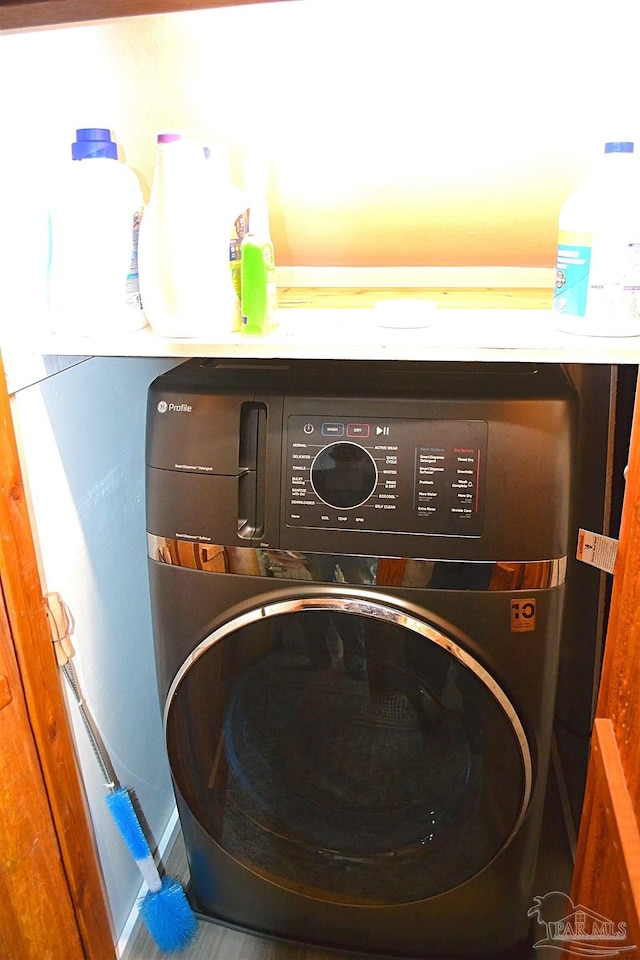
(347, 750)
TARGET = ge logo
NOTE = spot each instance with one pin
(523, 615)
(163, 406)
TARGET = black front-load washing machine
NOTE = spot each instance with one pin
(357, 572)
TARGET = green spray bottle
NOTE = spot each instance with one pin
(258, 270)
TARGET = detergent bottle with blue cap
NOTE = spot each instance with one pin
(597, 279)
(94, 214)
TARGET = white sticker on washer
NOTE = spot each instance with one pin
(597, 550)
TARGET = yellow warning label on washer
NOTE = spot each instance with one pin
(523, 615)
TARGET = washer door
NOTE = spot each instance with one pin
(343, 748)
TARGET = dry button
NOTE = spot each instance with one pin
(358, 430)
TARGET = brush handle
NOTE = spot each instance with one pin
(150, 875)
(118, 800)
(101, 755)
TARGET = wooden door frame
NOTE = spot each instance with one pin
(606, 878)
(32, 685)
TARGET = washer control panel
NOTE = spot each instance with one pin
(386, 475)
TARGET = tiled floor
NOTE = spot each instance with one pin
(214, 942)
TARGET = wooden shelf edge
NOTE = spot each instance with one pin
(25, 14)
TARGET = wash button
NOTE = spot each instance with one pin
(333, 429)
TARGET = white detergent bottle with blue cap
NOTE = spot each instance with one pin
(597, 279)
(95, 212)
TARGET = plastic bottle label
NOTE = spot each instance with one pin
(240, 227)
(572, 273)
(614, 284)
(132, 289)
(631, 284)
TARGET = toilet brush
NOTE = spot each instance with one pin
(164, 908)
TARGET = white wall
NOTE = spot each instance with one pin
(82, 438)
(400, 131)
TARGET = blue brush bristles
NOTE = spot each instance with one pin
(124, 814)
(164, 908)
(168, 916)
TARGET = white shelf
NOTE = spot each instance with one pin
(350, 334)
(453, 334)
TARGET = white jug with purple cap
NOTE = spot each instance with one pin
(183, 255)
